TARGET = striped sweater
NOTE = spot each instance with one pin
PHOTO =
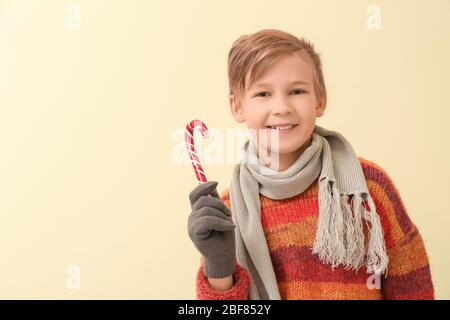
(290, 227)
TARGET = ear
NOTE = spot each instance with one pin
(320, 109)
(236, 109)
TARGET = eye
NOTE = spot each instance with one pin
(259, 94)
(300, 91)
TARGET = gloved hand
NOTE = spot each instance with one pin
(211, 229)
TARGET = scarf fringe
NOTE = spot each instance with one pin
(340, 237)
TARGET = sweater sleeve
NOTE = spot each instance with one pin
(241, 279)
(408, 275)
(239, 291)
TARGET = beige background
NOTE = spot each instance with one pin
(87, 114)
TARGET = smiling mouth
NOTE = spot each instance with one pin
(282, 128)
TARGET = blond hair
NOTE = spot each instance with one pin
(254, 53)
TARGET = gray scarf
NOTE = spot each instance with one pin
(339, 239)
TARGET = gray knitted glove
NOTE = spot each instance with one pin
(211, 229)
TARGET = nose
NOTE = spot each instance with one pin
(281, 107)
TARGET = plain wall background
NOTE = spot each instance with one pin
(87, 114)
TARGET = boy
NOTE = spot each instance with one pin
(325, 224)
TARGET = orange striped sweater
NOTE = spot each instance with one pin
(290, 228)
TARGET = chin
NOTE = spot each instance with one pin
(288, 147)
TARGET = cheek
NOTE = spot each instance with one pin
(306, 130)
(253, 122)
(255, 118)
(306, 114)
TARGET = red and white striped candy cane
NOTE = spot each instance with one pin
(189, 137)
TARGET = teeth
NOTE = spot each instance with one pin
(282, 128)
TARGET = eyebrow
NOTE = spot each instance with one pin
(266, 84)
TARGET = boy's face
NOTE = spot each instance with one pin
(274, 100)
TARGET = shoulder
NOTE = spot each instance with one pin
(375, 172)
(388, 202)
(378, 179)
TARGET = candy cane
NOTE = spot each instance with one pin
(189, 137)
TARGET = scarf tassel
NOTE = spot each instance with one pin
(340, 237)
